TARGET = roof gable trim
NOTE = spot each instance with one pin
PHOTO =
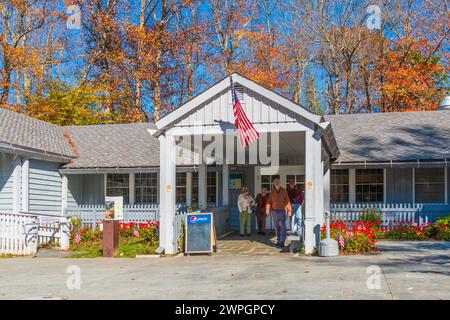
(224, 84)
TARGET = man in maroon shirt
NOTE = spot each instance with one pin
(261, 201)
(296, 198)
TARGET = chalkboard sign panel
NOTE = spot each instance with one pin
(199, 233)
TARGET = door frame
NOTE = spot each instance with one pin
(283, 171)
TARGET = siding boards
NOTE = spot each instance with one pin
(6, 182)
(44, 188)
(74, 190)
(399, 185)
(93, 189)
(448, 185)
(258, 109)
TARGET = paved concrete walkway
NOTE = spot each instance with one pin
(408, 270)
(256, 244)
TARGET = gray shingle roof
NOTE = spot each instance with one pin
(361, 137)
(114, 146)
(397, 136)
(22, 130)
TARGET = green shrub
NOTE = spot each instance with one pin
(440, 230)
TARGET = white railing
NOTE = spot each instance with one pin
(23, 233)
(18, 234)
(391, 213)
(53, 230)
(90, 215)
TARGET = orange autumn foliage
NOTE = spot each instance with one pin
(411, 80)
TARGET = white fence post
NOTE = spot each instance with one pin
(64, 233)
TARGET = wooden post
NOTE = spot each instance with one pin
(202, 196)
(110, 238)
(225, 183)
(189, 188)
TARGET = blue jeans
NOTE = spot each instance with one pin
(279, 221)
(296, 220)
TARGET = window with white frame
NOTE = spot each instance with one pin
(267, 181)
(339, 185)
(118, 185)
(369, 185)
(298, 178)
(146, 187)
(181, 190)
(430, 185)
(211, 187)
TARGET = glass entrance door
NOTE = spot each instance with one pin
(285, 174)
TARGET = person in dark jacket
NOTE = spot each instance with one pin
(296, 198)
(281, 206)
(261, 201)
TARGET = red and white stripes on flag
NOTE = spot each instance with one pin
(247, 133)
(341, 241)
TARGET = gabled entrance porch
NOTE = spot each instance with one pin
(201, 133)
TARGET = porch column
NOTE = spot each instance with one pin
(131, 187)
(202, 172)
(326, 186)
(225, 183)
(25, 184)
(167, 186)
(16, 185)
(189, 188)
(313, 190)
(64, 193)
(352, 185)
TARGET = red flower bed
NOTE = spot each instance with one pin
(147, 231)
(359, 237)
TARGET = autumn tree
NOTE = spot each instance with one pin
(231, 21)
(414, 65)
(188, 50)
(20, 58)
(64, 105)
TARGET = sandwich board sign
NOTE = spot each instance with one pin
(200, 233)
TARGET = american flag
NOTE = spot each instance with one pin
(247, 133)
(341, 241)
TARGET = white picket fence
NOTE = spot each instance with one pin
(91, 215)
(23, 233)
(18, 234)
(391, 213)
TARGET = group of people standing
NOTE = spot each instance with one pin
(281, 202)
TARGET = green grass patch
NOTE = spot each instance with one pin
(128, 248)
(7, 256)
